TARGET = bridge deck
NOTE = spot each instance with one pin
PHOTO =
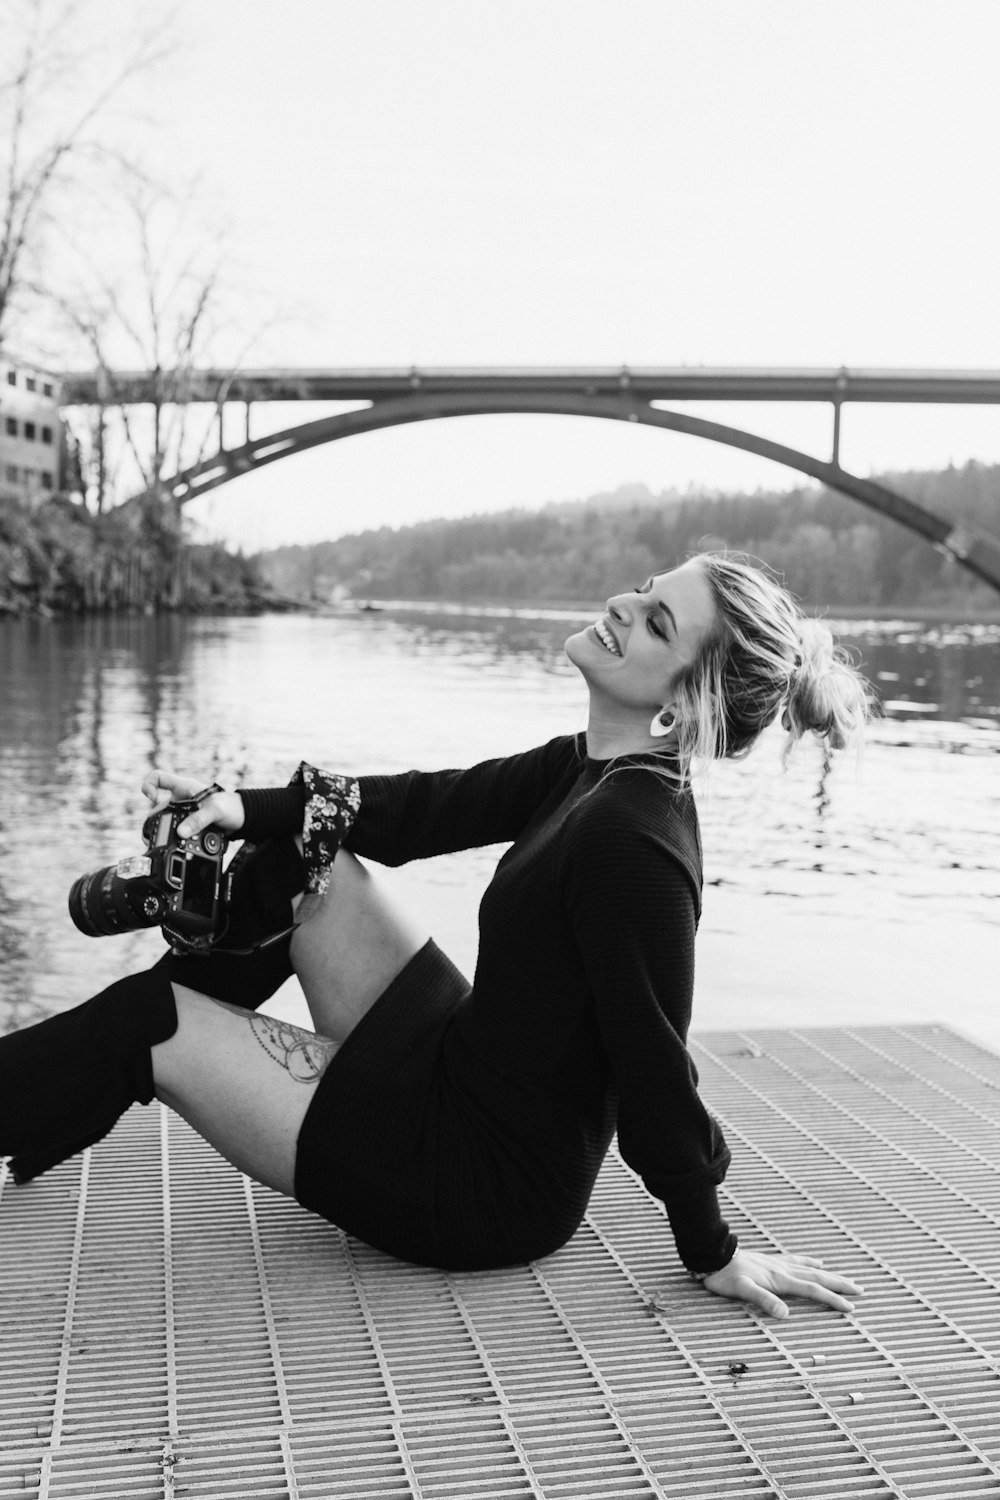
(655, 383)
(167, 1329)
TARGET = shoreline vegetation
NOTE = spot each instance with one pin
(838, 558)
(56, 559)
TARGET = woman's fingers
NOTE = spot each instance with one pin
(162, 787)
(827, 1279)
(817, 1292)
(767, 1301)
(223, 809)
(759, 1297)
(196, 821)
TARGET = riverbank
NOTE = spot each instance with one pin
(56, 559)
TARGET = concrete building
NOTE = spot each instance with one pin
(31, 432)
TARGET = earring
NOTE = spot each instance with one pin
(659, 728)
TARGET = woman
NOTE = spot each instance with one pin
(447, 1124)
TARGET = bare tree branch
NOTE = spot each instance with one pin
(32, 172)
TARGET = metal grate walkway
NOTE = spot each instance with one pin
(167, 1329)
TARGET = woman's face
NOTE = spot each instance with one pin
(630, 656)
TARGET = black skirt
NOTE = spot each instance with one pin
(394, 1151)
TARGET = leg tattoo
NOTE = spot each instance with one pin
(301, 1053)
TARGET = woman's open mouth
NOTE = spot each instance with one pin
(606, 639)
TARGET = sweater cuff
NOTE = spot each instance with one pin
(270, 812)
(704, 1240)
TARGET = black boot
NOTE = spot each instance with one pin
(65, 1082)
(251, 959)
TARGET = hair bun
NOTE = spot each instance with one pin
(827, 695)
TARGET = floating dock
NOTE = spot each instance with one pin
(168, 1329)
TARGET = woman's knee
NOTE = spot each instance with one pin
(351, 943)
(356, 907)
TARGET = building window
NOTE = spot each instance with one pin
(47, 388)
(46, 434)
(12, 474)
(12, 377)
(29, 382)
(12, 427)
(29, 431)
(46, 479)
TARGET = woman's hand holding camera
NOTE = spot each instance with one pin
(221, 809)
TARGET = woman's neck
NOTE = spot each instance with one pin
(610, 736)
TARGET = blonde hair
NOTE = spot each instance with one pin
(764, 657)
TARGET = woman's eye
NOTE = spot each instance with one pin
(657, 629)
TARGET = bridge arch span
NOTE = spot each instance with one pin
(974, 551)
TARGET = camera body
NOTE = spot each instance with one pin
(178, 884)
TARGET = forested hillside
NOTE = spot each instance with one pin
(831, 550)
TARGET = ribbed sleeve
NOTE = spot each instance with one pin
(269, 812)
(423, 813)
(634, 918)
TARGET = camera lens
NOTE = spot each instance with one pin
(103, 903)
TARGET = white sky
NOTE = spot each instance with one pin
(658, 182)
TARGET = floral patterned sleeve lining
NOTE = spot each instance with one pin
(332, 804)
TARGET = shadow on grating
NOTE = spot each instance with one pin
(167, 1328)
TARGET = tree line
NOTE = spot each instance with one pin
(830, 550)
(60, 558)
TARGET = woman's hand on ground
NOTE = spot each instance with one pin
(222, 809)
(758, 1279)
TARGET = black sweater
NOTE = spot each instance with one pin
(582, 995)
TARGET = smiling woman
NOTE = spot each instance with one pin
(631, 657)
(458, 1124)
(713, 650)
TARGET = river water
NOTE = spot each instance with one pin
(864, 891)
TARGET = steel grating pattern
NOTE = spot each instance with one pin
(168, 1328)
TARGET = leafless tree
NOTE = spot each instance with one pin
(167, 305)
(58, 88)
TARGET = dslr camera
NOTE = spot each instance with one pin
(178, 884)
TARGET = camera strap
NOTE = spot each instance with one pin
(205, 793)
(267, 942)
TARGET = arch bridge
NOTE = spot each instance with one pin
(396, 397)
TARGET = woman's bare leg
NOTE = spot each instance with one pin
(351, 944)
(244, 1081)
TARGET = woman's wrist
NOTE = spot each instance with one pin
(269, 812)
(704, 1241)
(700, 1275)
